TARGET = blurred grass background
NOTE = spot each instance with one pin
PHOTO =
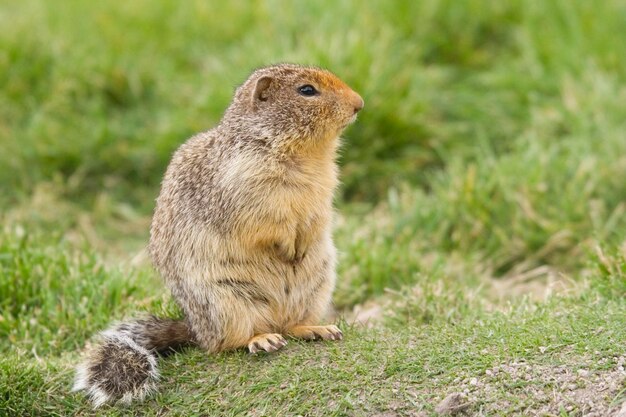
(490, 156)
(102, 94)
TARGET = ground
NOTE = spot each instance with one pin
(481, 220)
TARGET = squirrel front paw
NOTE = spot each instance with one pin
(289, 254)
(329, 332)
(269, 342)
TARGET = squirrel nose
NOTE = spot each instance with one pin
(358, 103)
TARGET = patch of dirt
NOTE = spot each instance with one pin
(538, 283)
(369, 314)
(521, 388)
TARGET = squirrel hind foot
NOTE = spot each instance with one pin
(117, 369)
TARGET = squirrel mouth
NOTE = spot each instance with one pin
(350, 121)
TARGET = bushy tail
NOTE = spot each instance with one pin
(122, 364)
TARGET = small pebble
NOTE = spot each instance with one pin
(453, 404)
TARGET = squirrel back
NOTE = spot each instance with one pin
(241, 233)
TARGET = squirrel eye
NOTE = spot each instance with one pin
(307, 90)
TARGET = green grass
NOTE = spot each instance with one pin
(64, 293)
(408, 364)
(482, 210)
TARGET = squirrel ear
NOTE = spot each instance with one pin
(260, 89)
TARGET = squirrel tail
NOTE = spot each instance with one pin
(122, 365)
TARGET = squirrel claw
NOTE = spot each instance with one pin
(268, 342)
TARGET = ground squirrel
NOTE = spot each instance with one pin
(241, 232)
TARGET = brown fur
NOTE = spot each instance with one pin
(242, 227)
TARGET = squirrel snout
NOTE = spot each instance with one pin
(354, 99)
(358, 103)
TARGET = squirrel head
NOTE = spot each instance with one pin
(294, 104)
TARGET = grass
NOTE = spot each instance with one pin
(482, 211)
(407, 365)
